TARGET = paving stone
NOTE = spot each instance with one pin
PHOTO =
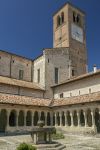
(72, 142)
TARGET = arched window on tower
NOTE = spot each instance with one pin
(78, 19)
(74, 17)
(62, 17)
(58, 21)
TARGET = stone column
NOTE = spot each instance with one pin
(55, 119)
(78, 117)
(39, 115)
(72, 123)
(60, 114)
(65, 114)
(25, 114)
(85, 117)
(93, 120)
(17, 114)
(8, 114)
(51, 118)
(32, 118)
(45, 118)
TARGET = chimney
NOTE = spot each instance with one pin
(94, 68)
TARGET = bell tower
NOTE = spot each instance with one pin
(69, 31)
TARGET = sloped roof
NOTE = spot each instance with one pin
(78, 78)
(23, 100)
(11, 81)
(93, 97)
(30, 101)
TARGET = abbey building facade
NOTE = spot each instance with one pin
(55, 87)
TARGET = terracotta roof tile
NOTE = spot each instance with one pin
(93, 97)
(23, 100)
(30, 101)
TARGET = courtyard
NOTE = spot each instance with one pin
(72, 142)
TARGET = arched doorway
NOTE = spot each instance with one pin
(97, 120)
(3, 120)
(48, 119)
(82, 119)
(89, 118)
(42, 118)
(68, 118)
(63, 119)
(21, 118)
(36, 118)
(75, 119)
(29, 118)
(58, 119)
(12, 118)
(53, 119)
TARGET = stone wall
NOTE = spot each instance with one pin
(15, 90)
(39, 63)
(79, 87)
(55, 58)
(9, 89)
(31, 92)
(5, 60)
(11, 64)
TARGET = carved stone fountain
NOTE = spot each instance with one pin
(41, 134)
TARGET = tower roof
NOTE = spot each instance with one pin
(72, 5)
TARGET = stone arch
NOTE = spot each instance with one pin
(82, 119)
(36, 118)
(48, 119)
(68, 118)
(3, 120)
(42, 116)
(63, 119)
(12, 118)
(75, 118)
(97, 119)
(58, 119)
(89, 118)
(29, 118)
(21, 118)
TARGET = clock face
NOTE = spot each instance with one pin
(77, 33)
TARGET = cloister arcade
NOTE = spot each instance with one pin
(26, 119)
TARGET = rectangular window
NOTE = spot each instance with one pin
(21, 74)
(73, 72)
(38, 75)
(61, 95)
(56, 75)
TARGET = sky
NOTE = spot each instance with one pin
(26, 26)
